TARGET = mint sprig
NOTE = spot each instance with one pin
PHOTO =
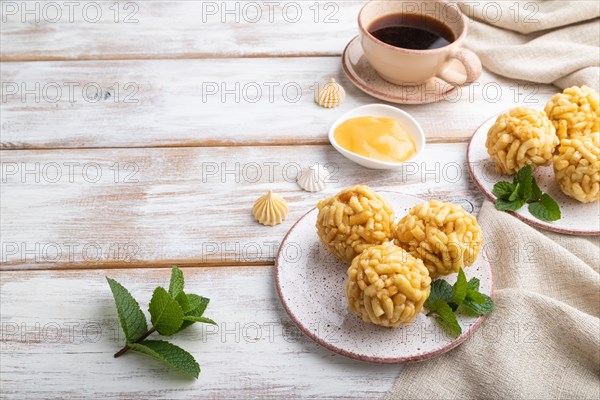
(170, 312)
(445, 300)
(524, 189)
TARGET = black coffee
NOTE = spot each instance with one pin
(410, 31)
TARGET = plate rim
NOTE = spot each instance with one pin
(377, 94)
(490, 196)
(380, 360)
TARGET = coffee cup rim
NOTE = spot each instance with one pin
(455, 43)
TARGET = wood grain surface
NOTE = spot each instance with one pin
(213, 102)
(136, 135)
(189, 206)
(60, 330)
(102, 30)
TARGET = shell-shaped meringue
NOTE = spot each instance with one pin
(313, 178)
(270, 209)
(330, 94)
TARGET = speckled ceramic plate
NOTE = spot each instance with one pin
(576, 218)
(363, 76)
(310, 283)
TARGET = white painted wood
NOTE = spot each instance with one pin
(212, 102)
(59, 331)
(163, 206)
(189, 206)
(175, 29)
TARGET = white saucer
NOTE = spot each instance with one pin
(363, 76)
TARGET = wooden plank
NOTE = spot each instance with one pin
(212, 102)
(60, 329)
(187, 206)
(109, 30)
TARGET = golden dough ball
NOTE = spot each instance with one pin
(521, 137)
(577, 167)
(443, 235)
(574, 112)
(387, 286)
(353, 220)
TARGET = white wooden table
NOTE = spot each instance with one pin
(136, 135)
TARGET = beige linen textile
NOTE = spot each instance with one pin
(543, 41)
(542, 341)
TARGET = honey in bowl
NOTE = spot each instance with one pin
(382, 139)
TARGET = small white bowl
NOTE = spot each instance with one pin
(380, 111)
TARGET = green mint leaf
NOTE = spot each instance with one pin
(479, 308)
(475, 296)
(504, 205)
(167, 352)
(433, 306)
(523, 174)
(526, 189)
(460, 288)
(176, 283)
(524, 177)
(515, 194)
(184, 302)
(198, 304)
(442, 309)
(440, 290)
(536, 192)
(546, 209)
(473, 284)
(131, 316)
(199, 319)
(503, 190)
(166, 313)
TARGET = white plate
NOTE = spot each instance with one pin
(310, 283)
(576, 218)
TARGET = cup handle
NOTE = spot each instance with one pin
(471, 64)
